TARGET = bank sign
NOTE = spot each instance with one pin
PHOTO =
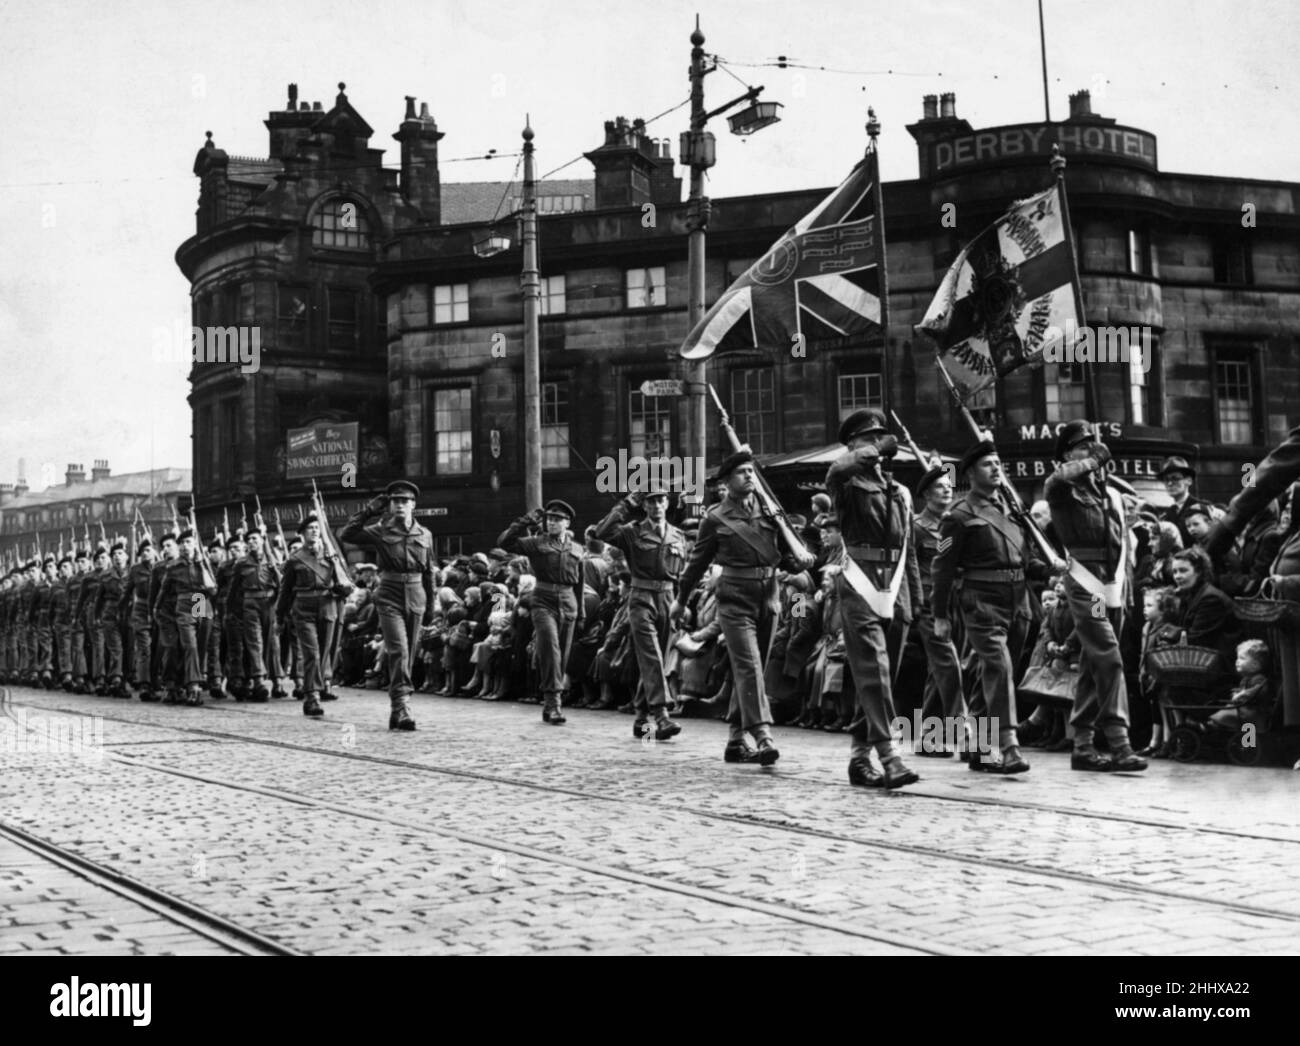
(1001, 145)
(320, 450)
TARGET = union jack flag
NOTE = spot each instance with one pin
(820, 280)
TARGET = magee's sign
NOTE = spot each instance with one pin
(320, 450)
(1001, 145)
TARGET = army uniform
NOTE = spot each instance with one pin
(253, 588)
(404, 595)
(76, 628)
(43, 609)
(61, 623)
(27, 623)
(943, 685)
(167, 651)
(1089, 520)
(655, 559)
(188, 593)
(135, 602)
(108, 617)
(89, 597)
(228, 659)
(307, 599)
(984, 557)
(557, 563)
(875, 517)
(745, 542)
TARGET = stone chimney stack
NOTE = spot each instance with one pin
(632, 169)
(1080, 104)
(948, 106)
(100, 470)
(420, 182)
(930, 107)
(75, 474)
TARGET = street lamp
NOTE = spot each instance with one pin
(699, 152)
(491, 244)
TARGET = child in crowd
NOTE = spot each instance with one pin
(1252, 700)
(1158, 608)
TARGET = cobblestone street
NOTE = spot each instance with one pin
(488, 832)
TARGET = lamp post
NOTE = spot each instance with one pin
(530, 283)
(699, 152)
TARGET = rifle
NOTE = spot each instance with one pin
(243, 516)
(176, 523)
(103, 535)
(145, 530)
(86, 529)
(921, 459)
(279, 531)
(209, 576)
(225, 526)
(332, 552)
(1018, 511)
(771, 506)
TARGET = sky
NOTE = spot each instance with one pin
(103, 106)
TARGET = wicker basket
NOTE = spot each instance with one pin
(1191, 666)
(1260, 610)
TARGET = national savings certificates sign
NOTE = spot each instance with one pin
(321, 450)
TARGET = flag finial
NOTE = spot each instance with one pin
(873, 125)
(1057, 161)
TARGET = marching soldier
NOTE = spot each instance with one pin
(27, 612)
(213, 660)
(746, 543)
(107, 612)
(985, 558)
(90, 587)
(135, 602)
(1088, 517)
(188, 591)
(556, 561)
(253, 590)
(879, 579)
(943, 680)
(656, 553)
(43, 609)
(167, 659)
(307, 591)
(230, 613)
(6, 603)
(80, 571)
(61, 619)
(404, 597)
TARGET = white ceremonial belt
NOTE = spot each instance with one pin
(881, 603)
(1112, 593)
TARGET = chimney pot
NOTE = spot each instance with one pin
(1081, 103)
(424, 111)
(948, 105)
(293, 97)
(930, 107)
(315, 107)
(410, 107)
(304, 107)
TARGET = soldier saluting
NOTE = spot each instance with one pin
(985, 557)
(555, 559)
(656, 553)
(1088, 517)
(746, 542)
(404, 596)
(879, 575)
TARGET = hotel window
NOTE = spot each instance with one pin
(292, 311)
(650, 424)
(1139, 252)
(341, 225)
(555, 425)
(645, 288)
(1064, 385)
(753, 407)
(453, 431)
(552, 295)
(451, 303)
(342, 319)
(1141, 390)
(857, 391)
(1234, 397)
(1232, 262)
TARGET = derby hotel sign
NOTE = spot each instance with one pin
(1033, 142)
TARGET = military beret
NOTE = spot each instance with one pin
(82, 554)
(216, 543)
(1175, 465)
(730, 464)
(556, 507)
(101, 551)
(66, 558)
(168, 536)
(927, 481)
(1071, 435)
(862, 423)
(186, 533)
(48, 560)
(144, 542)
(982, 449)
(117, 546)
(402, 488)
(308, 521)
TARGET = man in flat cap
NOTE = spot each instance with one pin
(404, 598)
(656, 554)
(986, 558)
(1088, 517)
(555, 559)
(943, 684)
(879, 579)
(746, 543)
(1178, 476)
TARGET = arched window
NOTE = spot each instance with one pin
(341, 225)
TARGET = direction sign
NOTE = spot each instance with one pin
(662, 387)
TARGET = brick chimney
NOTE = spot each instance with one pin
(6, 493)
(289, 125)
(930, 107)
(1081, 109)
(75, 474)
(100, 471)
(939, 121)
(420, 182)
(630, 168)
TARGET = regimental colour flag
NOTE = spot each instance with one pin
(820, 280)
(1007, 297)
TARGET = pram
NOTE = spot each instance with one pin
(1193, 677)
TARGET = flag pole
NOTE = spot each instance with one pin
(1042, 42)
(1091, 392)
(882, 273)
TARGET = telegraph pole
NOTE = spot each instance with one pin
(698, 219)
(530, 283)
